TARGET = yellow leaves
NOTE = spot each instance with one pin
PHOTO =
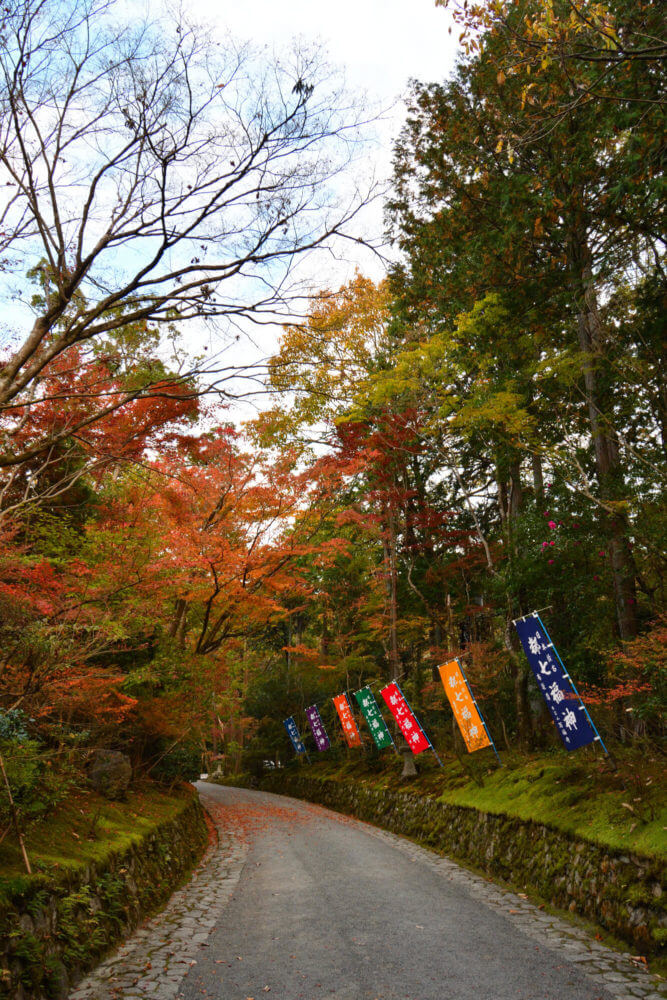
(503, 141)
(525, 94)
(326, 360)
(538, 229)
(499, 411)
(501, 78)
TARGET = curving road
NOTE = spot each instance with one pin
(294, 902)
(327, 907)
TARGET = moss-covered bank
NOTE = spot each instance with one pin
(622, 892)
(54, 927)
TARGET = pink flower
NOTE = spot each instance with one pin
(575, 525)
(596, 577)
(552, 524)
(544, 545)
(550, 561)
(552, 543)
(601, 552)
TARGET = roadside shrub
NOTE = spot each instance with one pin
(182, 763)
(37, 784)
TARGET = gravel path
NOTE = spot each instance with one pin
(299, 903)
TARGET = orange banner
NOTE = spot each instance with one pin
(464, 708)
(350, 729)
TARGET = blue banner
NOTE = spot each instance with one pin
(293, 733)
(567, 709)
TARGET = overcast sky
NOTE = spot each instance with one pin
(380, 43)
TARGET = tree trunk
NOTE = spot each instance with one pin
(516, 489)
(501, 483)
(409, 769)
(324, 638)
(538, 480)
(177, 627)
(520, 672)
(607, 459)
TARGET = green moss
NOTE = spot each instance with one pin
(83, 884)
(242, 780)
(584, 807)
(86, 830)
(577, 794)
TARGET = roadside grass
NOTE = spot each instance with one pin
(87, 828)
(580, 795)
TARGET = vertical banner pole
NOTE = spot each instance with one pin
(370, 710)
(294, 735)
(581, 700)
(305, 749)
(346, 718)
(474, 701)
(317, 728)
(553, 679)
(402, 727)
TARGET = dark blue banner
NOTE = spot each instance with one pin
(567, 709)
(293, 733)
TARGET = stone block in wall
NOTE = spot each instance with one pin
(66, 926)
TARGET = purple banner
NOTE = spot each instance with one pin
(317, 726)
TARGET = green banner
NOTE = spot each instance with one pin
(371, 713)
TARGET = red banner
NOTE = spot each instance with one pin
(350, 729)
(405, 718)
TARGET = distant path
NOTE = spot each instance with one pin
(300, 903)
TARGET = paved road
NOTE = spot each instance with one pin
(315, 905)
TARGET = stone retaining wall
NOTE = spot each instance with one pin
(52, 932)
(623, 893)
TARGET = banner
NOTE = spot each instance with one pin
(350, 730)
(465, 710)
(373, 716)
(293, 733)
(567, 709)
(407, 721)
(317, 726)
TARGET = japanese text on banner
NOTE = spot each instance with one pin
(465, 711)
(566, 707)
(407, 722)
(371, 713)
(350, 730)
(294, 735)
(317, 727)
